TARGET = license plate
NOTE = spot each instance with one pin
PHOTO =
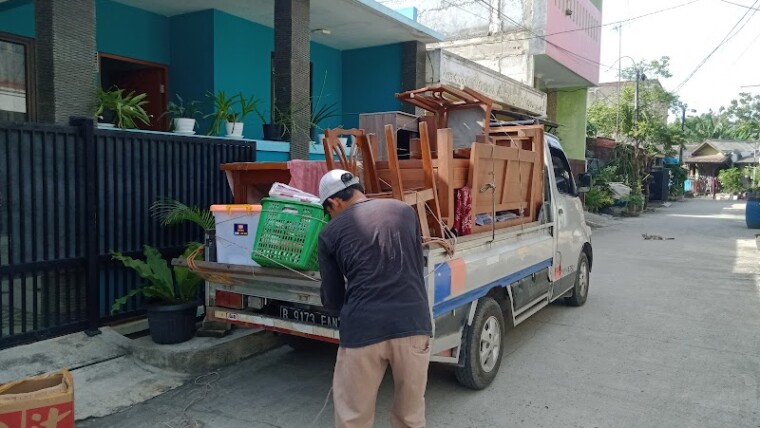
(308, 317)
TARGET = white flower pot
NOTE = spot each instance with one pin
(320, 139)
(184, 125)
(235, 130)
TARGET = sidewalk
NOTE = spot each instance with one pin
(113, 372)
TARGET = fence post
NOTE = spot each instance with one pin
(87, 133)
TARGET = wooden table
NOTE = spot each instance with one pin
(251, 181)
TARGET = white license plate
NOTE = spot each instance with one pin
(308, 317)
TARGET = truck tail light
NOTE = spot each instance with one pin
(228, 299)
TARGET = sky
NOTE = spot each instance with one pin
(687, 35)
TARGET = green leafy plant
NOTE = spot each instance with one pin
(126, 108)
(182, 109)
(731, 180)
(597, 199)
(162, 285)
(171, 212)
(225, 109)
(222, 109)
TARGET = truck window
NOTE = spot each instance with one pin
(562, 173)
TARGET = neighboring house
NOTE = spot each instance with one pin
(508, 36)
(708, 158)
(608, 93)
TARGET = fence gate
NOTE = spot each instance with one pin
(70, 196)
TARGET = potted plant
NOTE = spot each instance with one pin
(114, 107)
(183, 115)
(275, 127)
(172, 295)
(226, 113)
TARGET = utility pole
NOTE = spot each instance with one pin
(636, 99)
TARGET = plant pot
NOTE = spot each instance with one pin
(234, 130)
(172, 323)
(184, 125)
(107, 116)
(320, 139)
(273, 132)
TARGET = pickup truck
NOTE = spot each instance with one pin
(491, 280)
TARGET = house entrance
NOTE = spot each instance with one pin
(139, 76)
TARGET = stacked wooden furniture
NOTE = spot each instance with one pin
(503, 168)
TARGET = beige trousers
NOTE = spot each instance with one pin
(359, 372)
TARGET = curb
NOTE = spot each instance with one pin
(200, 354)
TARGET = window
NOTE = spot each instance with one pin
(562, 173)
(16, 82)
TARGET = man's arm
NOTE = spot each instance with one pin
(333, 289)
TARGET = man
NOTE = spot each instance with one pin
(370, 258)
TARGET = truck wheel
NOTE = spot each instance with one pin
(580, 290)
(482, 347)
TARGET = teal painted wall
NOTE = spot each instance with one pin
(191, 73)
(371, 79)
(571, 116)
(327, 83)
(242, 63)
(131, 32)
(17, 17)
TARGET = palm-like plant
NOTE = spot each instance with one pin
(169, 212)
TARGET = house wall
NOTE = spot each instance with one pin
(131, 32)
(191, 70)
(571, 117)
(371, 78)
(242, 62)
(579, 33)
(17, 17)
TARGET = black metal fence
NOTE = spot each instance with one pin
(70, 195)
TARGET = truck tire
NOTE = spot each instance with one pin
(580, 289)
(482, 347)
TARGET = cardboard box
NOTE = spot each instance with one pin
(41, 401)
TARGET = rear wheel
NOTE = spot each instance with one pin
(482, 347)
(580, 290)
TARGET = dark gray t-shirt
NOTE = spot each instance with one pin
(375, 244)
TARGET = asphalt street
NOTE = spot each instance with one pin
(669, 337)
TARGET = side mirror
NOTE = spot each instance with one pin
(584, 183)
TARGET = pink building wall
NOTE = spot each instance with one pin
(584, 45)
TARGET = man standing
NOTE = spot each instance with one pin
(371, 261)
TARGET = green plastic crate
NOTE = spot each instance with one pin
(288, 233)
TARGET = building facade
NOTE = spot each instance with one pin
(551, 45)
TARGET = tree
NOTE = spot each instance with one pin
(648, 136)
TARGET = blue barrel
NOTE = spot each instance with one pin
(752, 212)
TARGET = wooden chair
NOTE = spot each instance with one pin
(422, 199)
(362, 149)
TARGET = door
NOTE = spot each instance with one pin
(140, 77)
(570, 223)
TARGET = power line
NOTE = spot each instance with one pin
(740, 5)
(727, 37)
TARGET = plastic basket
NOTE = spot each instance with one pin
(288, 233)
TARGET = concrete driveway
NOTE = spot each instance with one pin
(669, 337)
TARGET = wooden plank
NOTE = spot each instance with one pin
(390, 144)
(445, 174)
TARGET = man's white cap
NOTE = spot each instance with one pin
(335, 181)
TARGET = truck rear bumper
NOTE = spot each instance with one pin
(279, 325)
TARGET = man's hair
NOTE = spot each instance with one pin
(344, 194)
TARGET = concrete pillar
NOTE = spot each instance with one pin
(66, 59)
(412, 70)
(292, 55)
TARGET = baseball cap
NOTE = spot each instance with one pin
(335, 181)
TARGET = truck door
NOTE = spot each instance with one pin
(569, 219)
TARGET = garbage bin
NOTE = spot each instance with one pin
(752, 212)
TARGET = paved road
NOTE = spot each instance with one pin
(669, 337)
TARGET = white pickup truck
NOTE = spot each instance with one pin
(490, 279)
